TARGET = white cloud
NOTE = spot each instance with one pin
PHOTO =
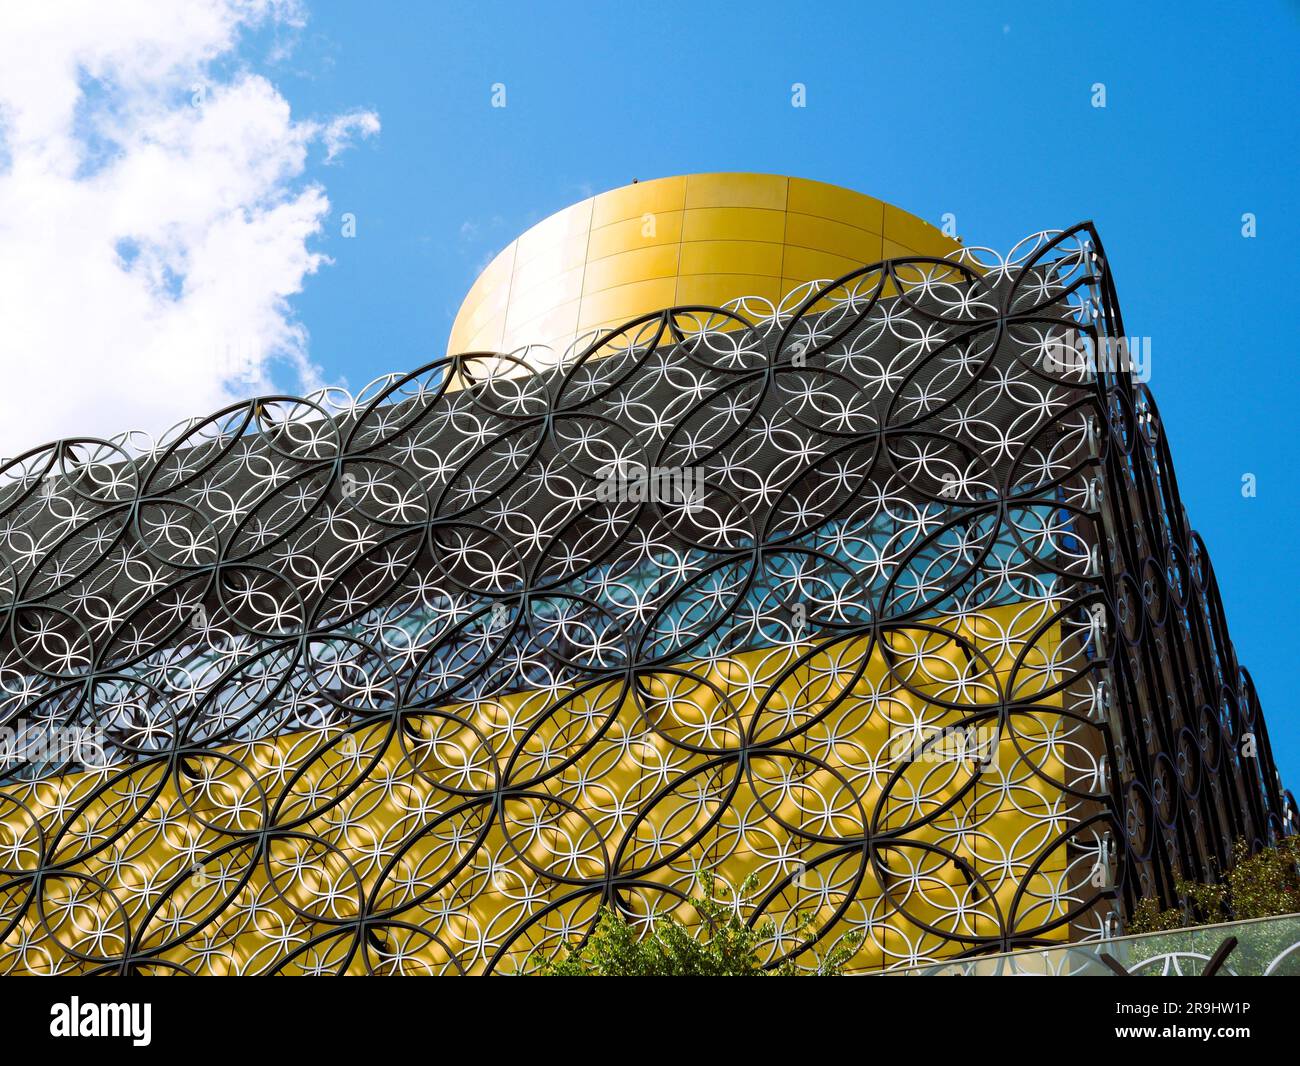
(154, 218)
(339, 131)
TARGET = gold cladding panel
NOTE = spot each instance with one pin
(384, 816)
(713, 234)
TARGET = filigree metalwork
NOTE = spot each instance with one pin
(402, 682)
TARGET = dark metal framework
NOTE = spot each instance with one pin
(419, 680)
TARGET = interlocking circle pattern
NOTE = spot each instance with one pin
(867, 603)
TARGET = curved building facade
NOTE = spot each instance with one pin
(872, 598)
(673, 242)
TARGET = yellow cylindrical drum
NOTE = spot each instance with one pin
(695, 239)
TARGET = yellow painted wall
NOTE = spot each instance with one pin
(696, 239)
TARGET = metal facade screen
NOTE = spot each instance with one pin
(879, 604)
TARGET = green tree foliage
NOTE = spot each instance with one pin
(1263, 885)
(728, 947)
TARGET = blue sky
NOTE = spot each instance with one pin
(979, 110)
